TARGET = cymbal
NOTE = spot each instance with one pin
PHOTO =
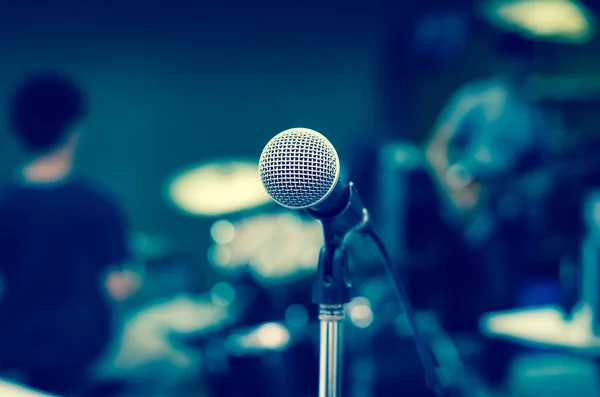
(566, 22)
(217, 188)
(16, 390)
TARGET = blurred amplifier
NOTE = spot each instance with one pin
(590, 258)
(407, 213)
(397, 161)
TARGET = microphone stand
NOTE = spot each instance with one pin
(332, 290)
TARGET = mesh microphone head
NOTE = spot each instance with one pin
(299, 168)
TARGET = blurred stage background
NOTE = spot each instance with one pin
(185, 96)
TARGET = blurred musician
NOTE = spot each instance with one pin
(489, 133)
(60, 237)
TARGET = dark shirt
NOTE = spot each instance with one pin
(57, 242)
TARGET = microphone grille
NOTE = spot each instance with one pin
(299, 168)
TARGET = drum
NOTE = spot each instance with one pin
(270, 258)
(271, 359)
(274, 247)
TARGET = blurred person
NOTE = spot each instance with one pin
(488, 127)
(61, 239)
(490, 134)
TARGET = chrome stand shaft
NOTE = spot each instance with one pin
(332, 335)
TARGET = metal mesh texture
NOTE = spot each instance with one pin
(299, 167)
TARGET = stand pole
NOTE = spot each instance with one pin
(332, 289)
(331, 350)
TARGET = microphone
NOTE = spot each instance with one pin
(300, 169)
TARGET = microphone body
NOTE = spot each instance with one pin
(339, 213)
(300, 169)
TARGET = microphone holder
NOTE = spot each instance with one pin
(332, 290)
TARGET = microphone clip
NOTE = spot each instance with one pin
(332, 285)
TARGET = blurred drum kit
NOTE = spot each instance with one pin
(255, 331)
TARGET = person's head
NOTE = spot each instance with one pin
(515, 55)
(45, 112)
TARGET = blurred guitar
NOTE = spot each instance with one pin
(470, 200)
(477, 206)
(462, 197)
